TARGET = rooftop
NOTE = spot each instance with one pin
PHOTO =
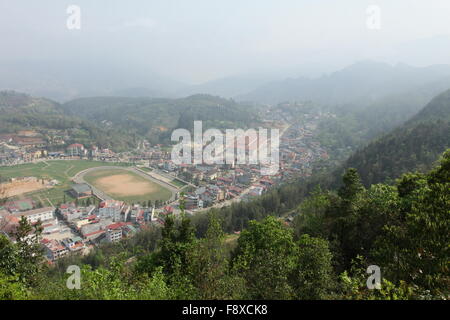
(81, 187)
(34, 211)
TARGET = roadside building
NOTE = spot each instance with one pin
(81, 190)
(76, 149)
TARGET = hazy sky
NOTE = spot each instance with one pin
(199, 40)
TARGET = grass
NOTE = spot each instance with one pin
(178, 183)
(160, 192)
(61, 170)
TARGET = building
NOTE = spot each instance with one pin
(191, 202)
(54, 249)
(73, 244)
(111, 208)
(113, 235)
(81, 190)
(76, 149)
(35, 215)
(114, 231)
(245, 179)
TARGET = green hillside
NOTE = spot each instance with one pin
(156, 118)
(19, 111)
(413, 146)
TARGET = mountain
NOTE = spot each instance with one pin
(67, 80)
(415, 145)
(19, 111)
(362, 83)
(155, 118)
(229, 86)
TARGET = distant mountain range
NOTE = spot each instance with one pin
(67, 80)
(362, 83)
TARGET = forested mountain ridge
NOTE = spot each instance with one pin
(19, 111)
(119, 122)
(437, 109)
(156, 118)
(413, 146)
(13, 102)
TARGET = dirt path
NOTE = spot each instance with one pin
(66, 171)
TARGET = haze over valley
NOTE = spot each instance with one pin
(224, 150)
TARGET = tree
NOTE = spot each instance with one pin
(208, 266)
(11, 288)
(265, 257)
(415, 249)
(29, 249)
(313, 274)
(311, 215)
(22, 260)
(351, 188)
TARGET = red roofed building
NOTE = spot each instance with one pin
(55, 250)
(168, 209)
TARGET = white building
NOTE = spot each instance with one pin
(35, 215)
(114, 235)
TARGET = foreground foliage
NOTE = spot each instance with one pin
(404, 229)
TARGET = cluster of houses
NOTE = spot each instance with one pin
(70, 228)
(21, 147)
(79, 151)
(12, 213)
(212, 184)
(299, 151)
(30, 146)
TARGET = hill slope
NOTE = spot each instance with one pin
(156, 118)
(20, 111)
(413, 146)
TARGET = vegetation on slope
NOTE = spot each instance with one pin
(156, 118)
(403, 229)
(413, 146)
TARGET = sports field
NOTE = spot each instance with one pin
(126, 185)
(61, 170)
